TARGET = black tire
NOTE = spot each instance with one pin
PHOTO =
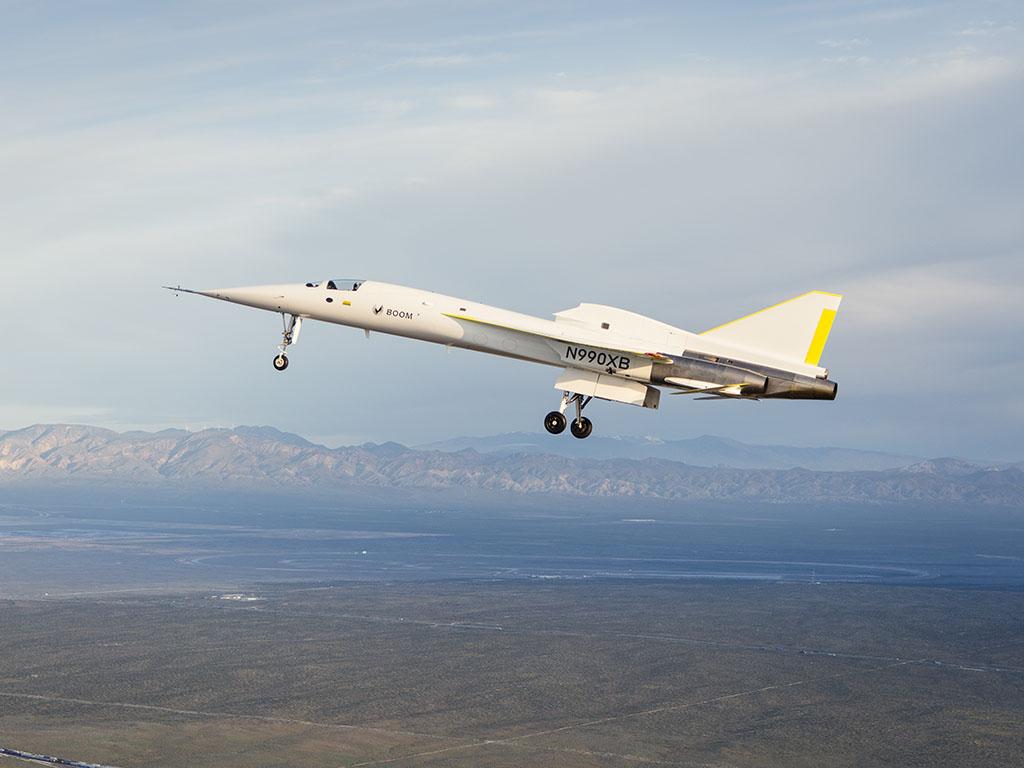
(581, 428)
(554, 423)
(280, 362)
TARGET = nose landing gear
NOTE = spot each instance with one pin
(581, 427)
(289, 336)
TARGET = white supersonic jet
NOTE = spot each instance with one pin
(604, 352)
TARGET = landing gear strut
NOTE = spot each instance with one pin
(581, 427)
(289, 336)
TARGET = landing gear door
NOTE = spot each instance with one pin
(593, 384)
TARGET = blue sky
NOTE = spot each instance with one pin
(689, 161)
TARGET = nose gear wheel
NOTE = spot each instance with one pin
(289, 336)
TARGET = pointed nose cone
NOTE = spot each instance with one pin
(272, 297)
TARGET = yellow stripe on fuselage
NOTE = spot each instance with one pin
(828, 316)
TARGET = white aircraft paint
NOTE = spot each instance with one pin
(605, 352)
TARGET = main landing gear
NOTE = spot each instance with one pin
(289, 336)
(581, 427)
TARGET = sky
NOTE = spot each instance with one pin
(688, 161)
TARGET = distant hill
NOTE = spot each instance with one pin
(704, 451)
(256, 458)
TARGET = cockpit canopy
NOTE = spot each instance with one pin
(339, 284)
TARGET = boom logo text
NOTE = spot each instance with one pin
(389, 312)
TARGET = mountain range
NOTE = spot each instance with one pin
(704, 451)
(255, 458)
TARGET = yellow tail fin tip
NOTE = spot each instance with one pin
(821, 333)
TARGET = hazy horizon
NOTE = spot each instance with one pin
(544, 440)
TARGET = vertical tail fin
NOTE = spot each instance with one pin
(795, 330)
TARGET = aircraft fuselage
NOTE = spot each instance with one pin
(605, 352)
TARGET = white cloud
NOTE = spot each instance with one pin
(449, 60)
(847, 45)
(471, 101)
(860, 61)
(389, 107)
(434, 61)
(987, 28)
(931, 296)
(566, 100)
(887, 15)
